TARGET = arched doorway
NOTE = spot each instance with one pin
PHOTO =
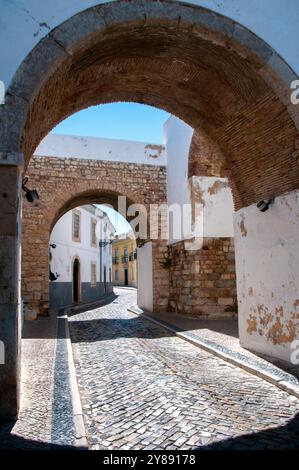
(177, 57)
(76, 281)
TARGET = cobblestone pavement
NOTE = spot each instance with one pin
(45, 418)
(143, 388)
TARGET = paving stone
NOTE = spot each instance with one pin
(160, 392)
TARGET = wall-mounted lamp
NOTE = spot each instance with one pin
(30, 194)
(263, 206)
(104, 243)
(52, 276)
(52, 245)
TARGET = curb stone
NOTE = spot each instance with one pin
(280, 379)
(80, 431)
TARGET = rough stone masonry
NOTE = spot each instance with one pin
(65, 183)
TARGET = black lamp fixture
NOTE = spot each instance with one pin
(263, 206)
(52, 245)
(104, 243)
(30, 194)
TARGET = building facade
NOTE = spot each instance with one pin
(124, 260)
(80, 254)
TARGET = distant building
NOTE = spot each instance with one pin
(80, 268)
(124, 260)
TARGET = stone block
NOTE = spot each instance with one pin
(252, 44)
(226, 301)
(79, 28)
(12, 119)
(35, 69)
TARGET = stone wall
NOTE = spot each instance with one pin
(63, 184)
(203, 281)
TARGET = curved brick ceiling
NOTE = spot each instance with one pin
(204, 77)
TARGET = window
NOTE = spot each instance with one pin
(116, 274)
(76, 226)
(93, 274)
(115, 257)
(125, 257)
(93, 236)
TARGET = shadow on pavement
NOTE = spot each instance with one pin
(108, 329)
(284, 438)
(11, 441)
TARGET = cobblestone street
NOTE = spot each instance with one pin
(143, 388)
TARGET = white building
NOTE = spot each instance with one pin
(80, 257)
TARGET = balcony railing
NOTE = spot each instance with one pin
(115, 260)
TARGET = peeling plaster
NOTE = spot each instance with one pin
(251, 324)
(217, 186)
(277, 334)
(197, 195)
(271, 325)
(159, 149)
(242, 226)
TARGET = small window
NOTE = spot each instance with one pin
(116, 274)
(93, 236)
(93, 275)
(76, 226)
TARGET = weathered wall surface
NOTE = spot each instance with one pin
(69, 146)
(10, 307)
(267, 263)
(203, 282)
(67, 183)
(213, 195)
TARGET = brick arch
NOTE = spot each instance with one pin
(208, 70)
(64, 184)
(82, 194)
(206, 159)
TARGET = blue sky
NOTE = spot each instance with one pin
(119, 222)
(128, 121)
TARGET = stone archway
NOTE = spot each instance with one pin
(206, 69)
(64, 184)
(141, 51)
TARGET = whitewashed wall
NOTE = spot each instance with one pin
(177, 137)
(61, 290)
(212, 195)
(215, 196)
(145, 277)
(66, 249)
(68, 146)
(25, 22)
(267, 264)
